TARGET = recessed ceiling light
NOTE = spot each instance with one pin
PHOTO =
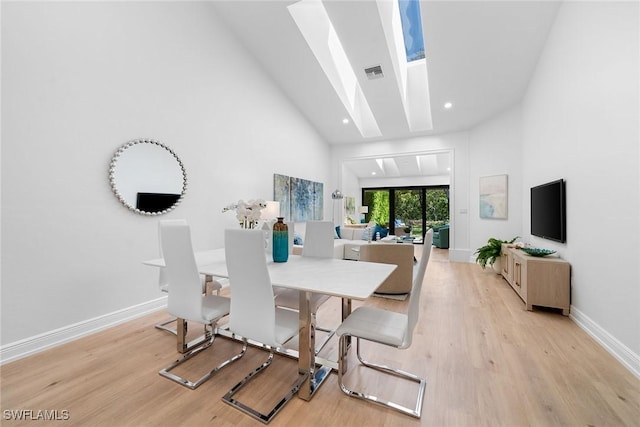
(345, 121)
(448, 105)
(373, 173)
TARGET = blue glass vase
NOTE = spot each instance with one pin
(280, 241)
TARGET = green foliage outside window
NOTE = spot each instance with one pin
(408, 207)
(379, 208)
(437, 207)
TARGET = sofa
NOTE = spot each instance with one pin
(346, 244)
(352, 239)
(400, 281)
(441, 237)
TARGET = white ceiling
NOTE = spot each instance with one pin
(401, 166)
(480, 56)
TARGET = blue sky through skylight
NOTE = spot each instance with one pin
(412, 29)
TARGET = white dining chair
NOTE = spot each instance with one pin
(387, 328)
(186, 300)
(253, 314)
(318, 242)
(163, 281)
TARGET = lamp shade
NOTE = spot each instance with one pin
(337, 195)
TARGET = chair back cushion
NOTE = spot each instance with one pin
(252, 313)
(185, 288)
(163, 280)
(318, 239)
(416, 289)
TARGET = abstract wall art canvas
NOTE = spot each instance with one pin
(318, 206)
(300, 199)
(282, 194)
(493, 197)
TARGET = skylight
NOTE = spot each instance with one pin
(412, 78)
(412, 29)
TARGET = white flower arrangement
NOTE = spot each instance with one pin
(248, 213)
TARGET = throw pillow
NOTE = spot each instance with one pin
(368, 233)
(338, 232)
(378, 229)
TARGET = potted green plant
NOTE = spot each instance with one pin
(491, 252)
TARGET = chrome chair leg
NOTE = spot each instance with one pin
(342, 354)
(197, 348)
(327, 338)
(163, 326)
(330, 333)
(263, 417)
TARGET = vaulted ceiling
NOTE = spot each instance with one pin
(480, 56)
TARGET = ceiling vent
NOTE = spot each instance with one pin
(374, 72)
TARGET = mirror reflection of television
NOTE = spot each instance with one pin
(548, 211)
(155, 202)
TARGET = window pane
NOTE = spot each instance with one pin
(408, 213)
(437, 206)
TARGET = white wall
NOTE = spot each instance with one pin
(581, 123)
(457, 144)
(78, 80)
(350, 187)
(495, 148)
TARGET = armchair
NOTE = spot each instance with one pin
(441, 237)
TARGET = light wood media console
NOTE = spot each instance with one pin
(541, 281)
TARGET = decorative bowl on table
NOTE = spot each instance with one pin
(538, 251)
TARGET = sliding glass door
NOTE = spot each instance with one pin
(407, 211)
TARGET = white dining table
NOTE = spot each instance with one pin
(348, 280)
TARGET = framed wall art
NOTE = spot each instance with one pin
(493, 197)
(350, 208)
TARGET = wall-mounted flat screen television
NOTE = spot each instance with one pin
(155, 202)
(548, 211)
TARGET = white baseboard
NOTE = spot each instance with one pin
(19, 349)
(622, 353)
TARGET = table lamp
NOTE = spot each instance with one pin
(363, 211)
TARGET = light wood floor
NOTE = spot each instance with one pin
(487, 361)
